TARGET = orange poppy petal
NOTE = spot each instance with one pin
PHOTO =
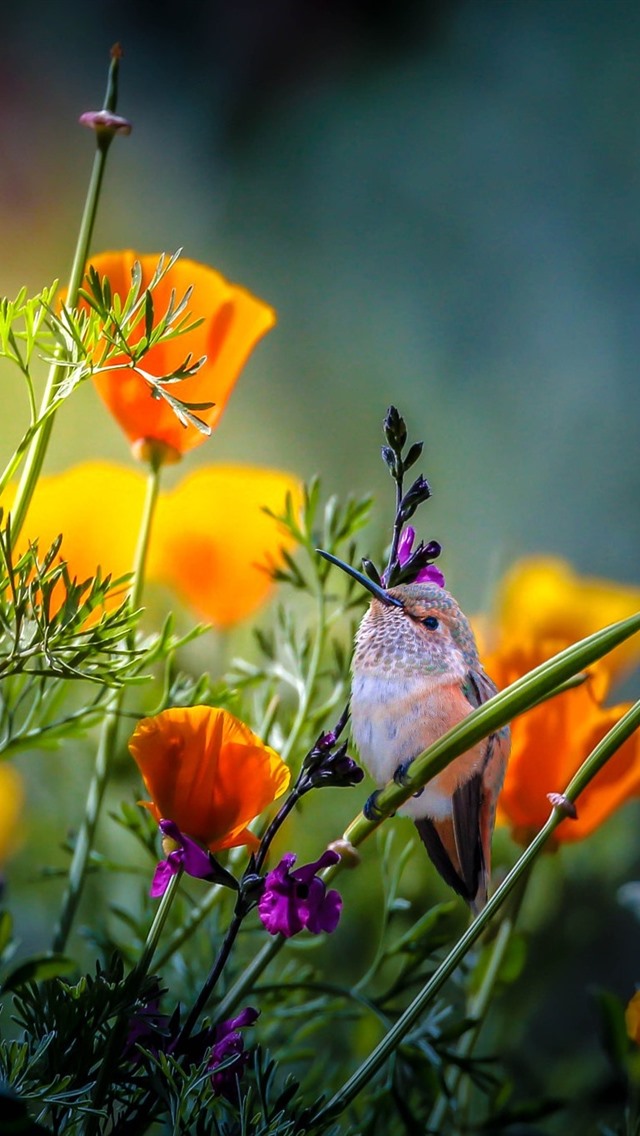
(208, 772)
(550, 742)
(234, 322)
(212, 539)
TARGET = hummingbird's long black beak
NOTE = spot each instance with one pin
(375, 589)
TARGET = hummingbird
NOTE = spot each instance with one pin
(416, 673)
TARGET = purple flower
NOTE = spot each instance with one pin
(228, 1050)
(429, 574)
(105, 121)
(149, 1028)
(293, 900)
(182, 853)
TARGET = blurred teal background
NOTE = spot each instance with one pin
(442, 201)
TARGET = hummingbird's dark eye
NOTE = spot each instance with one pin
(431, 622)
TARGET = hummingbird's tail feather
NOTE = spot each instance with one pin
(454, 844)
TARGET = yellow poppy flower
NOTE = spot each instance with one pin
(11, 804)
(212, 539)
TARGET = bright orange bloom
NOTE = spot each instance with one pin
(11, 803)
(212, 539)
(550, 742)
(208, 772)
(632, 1018)
(543, 607)
(234, 321)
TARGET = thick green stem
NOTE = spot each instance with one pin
(107, 743)
(616, 737)
(38, 448)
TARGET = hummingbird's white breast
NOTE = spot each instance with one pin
(394, 718)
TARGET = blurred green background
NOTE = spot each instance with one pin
(442, 201)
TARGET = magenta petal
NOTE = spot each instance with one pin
(405, 544)
(307, 872)
(195, 860)
(160, 881)
(431, 575)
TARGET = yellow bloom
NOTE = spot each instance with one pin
(208, 772)
(232, 323)
(210, 538)
(11, 804)
(543, 598)
(97, 507)
(632, 1018)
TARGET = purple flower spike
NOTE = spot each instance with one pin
(293, 900)
(185, 854)
(405, 544)
(431, 574)
(228, 1050)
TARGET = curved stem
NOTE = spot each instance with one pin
(107, 743)
(38, 448)
(376, 1059)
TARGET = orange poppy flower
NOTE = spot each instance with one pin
(233, 322)
(212, 539)
(550, 742)
(208, 772)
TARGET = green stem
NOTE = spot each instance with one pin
(376, 1059)
(117, 1036)
(107, 743)
(477, 1009)
(520, 696)
(38, 448)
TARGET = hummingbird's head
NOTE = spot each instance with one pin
(412, 626)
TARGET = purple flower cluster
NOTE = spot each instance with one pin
(228, 1051)
(429, 574)
(292, 901)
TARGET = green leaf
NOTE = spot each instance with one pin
(612, 1027)
(430, 931)
(39, 968)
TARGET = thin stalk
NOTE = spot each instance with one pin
(389, 1043)
(526, 692)
(117, 1036)
(211, 980)
(107, 743)
(477, 1009)
(38, 448)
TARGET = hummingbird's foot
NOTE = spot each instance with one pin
(400, 777)
(370, 808)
